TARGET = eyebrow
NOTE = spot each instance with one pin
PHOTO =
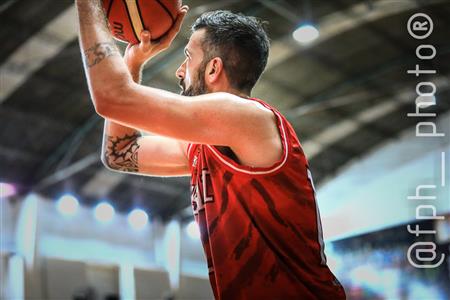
(187, 53)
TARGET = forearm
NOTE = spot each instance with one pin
(117, 136)
(119, 150)
(105, 68)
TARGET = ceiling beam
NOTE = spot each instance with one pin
(62, 155)
(4, 6)
(333, 134)
(15, 154)
(282, 9)
(102, 183)
(326, 99)
(36, 51)
(157, 186)
(338, 22)
(67, 172)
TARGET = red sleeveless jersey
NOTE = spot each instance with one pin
(260, 227)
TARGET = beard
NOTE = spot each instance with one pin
(194, 89)
(198, 86)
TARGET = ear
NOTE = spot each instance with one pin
(214, 70)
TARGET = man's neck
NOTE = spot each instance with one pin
(233, 91)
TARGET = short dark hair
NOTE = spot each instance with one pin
(240, 41)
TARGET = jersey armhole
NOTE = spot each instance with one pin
(188, 150)
(234, 166)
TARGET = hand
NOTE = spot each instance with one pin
(138, 54)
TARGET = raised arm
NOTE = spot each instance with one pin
(217, 119)
(125, 149)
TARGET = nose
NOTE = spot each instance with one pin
(180, 73)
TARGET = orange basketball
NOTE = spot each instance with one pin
(127, 18)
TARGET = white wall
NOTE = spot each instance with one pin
(371, 193)
(9, 211)
(193, 287)
(62, 279)
(73, 253)
(193, 259)
(12, 268)
(151, 284)
(115, 242)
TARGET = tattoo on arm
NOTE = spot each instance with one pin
(122, 152)
(99, 52)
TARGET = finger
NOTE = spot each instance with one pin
(167, 39)
(184, 8)
(183, 11)
(146, 38)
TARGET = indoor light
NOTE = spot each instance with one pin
(138, 219)
(7, 190)
(192, 230)
(306, 33)
(67, 205)
(104, 212)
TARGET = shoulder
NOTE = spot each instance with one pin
(245, 111)
(256, 105)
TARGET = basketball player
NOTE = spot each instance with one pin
(251, 190)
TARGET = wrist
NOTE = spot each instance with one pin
(135, 70)
(134, 66)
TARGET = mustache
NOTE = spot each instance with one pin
(181, 84)
(184, 91)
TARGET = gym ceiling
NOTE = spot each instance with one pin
(345, 94)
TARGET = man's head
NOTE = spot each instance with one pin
(226, 51)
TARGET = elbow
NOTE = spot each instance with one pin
(107, 98)
(103, 101)
(100, 105)
(106, 159)
(107, 163)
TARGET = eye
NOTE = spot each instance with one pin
(187, 54)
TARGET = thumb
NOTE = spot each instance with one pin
(145, 40)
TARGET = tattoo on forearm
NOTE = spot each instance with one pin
(121, 153)
(99, 52)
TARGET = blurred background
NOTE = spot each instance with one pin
(70, 229)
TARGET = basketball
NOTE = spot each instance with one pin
(127, 18)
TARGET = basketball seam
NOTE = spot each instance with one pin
(140, 14)
(131, 21)
(167, 10)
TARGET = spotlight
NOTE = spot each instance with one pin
(67, 205)
(7, 190)
(193, 231)
(305, 33)
(104, 212)
(138, 219)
